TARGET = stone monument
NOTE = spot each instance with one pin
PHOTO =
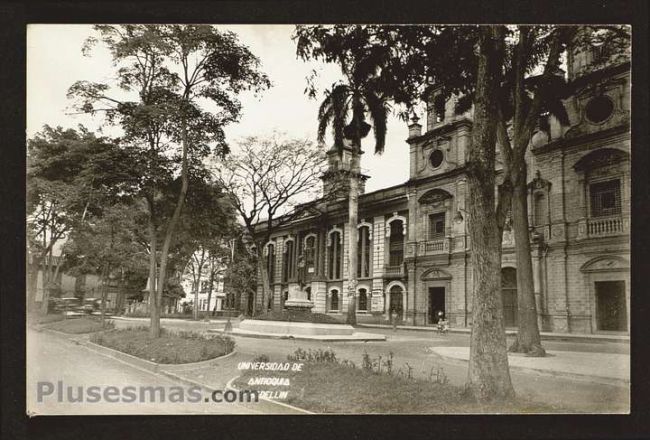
(298, 298)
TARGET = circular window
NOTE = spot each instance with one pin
(599, 109)
(436, 158)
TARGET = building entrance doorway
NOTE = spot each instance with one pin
(611, 309)
(436, 303)
(396, 298)
(509, 296)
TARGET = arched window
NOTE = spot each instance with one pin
(396, 301)
(308, 290)
(334, 252)
(310, 253)
(270, 262)
(334, 300)
(363, 300)
(363, 250)
(288, 271)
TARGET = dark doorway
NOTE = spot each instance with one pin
(611, 309)
(249, 304)
(396, 302)
(436, 303)
(509, 296)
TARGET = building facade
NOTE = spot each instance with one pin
(414, 248)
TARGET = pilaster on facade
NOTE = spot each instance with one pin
(378, 245)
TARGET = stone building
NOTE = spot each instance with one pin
(414, 249)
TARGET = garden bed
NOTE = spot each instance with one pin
(327, 385)
(297, 316)
(169, 348)
(85, 324)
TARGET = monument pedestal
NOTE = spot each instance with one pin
(297, 299)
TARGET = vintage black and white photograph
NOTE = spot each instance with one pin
(328, 219)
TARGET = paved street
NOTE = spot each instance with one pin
(53, 358)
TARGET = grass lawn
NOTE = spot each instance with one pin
(336, 388)
(85, 324)
(46, 319)
(298, 316)
(169, 348)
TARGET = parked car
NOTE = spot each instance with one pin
(91, 305)
(70, 306)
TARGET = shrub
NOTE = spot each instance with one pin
(169, 348)
(261, 358)
(315, 356)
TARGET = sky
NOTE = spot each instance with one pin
(55, 62)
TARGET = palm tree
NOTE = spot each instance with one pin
(346, 109)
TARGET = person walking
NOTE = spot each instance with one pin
(394, 318)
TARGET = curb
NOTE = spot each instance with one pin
(550, 373)
(129, 318)
(73, 336)
(230, 386)
(623, 339)
(290, 337)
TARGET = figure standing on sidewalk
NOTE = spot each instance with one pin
(394, 318)
(228, 328)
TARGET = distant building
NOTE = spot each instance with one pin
(217, 298)
(212, 293)
(414, 248)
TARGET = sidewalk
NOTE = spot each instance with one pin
(607, 368)
(544, 335)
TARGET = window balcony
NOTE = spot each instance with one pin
(606, 226)
(394, 271)
(439, 246)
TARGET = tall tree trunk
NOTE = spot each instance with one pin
(353, 219)
(154, 310)
(171, 228)
(211, 281)
(199, 272)
(47, 281)
(103, 297)
(528, 338)
(266, 283)
(32, 283)
(195, 311)
(488, 374)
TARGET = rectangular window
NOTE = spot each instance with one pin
(270, 262)
(288, 261)
(605, 198)
(436, 226)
